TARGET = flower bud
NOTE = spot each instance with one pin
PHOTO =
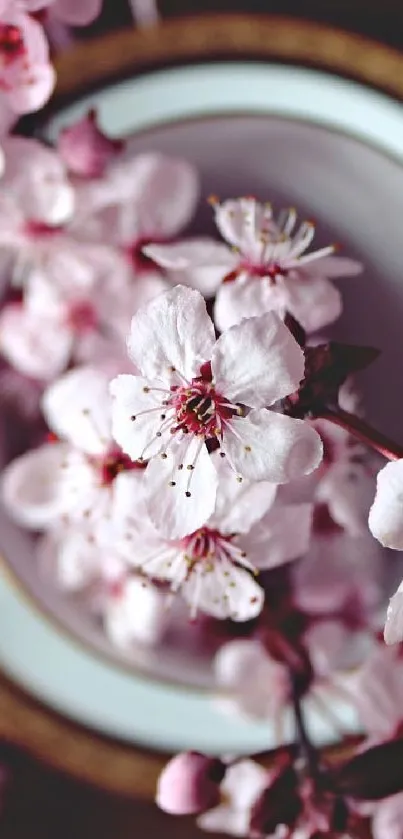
(85, 150)
(190, 784)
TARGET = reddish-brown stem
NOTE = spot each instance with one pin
(360, 429)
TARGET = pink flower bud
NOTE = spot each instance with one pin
(85, 150)
(189, 784)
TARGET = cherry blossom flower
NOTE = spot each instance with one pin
(241, 787)
(79, 478)
(27, 77)
(193, 391)
(140, 199)
(213, 567)
(84, 149)
(265, 266)
(78, 305)
(190, 783)
(77, 561)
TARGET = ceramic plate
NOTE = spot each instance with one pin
(333, 148)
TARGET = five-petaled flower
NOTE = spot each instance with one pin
(263, 268)
(214, 566)
(195, 394)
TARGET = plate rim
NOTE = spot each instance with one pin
(220, 36)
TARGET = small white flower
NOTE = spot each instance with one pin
(196, 392)
(243, 784)
(76, 479)
(265, 266)
(213, 567)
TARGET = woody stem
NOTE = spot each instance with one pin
(363, 432)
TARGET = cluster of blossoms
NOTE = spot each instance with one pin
(219, 459)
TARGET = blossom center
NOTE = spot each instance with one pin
(142, 263)
(115, 462)
(81, 317)
(209, 545)
(200, 410)
(271, 270)
(40, 230)
(11, 44)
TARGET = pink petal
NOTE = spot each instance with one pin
(394, 618)
(243, 783)
(37, 347)
(259, 685)
(313, 300)
(70, 556)
(387, 822)
(200, 263)
(247, 297)
(257, 362)
(281, 536)
(332, 647)
(136, 615)
(224, 591)
(378, 691)
(172, 512)
(242, 222)
(189, 784)
(347, 489)
(77, 12)
(239, 505)
(35, 178)
(173, 331)
(30, 486)
(34, 87)
(136, 417)
(386, 514)
(165, 191)
(78, 409)
(333, 267)
(84, 148)
(272, 447)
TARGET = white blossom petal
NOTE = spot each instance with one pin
(243, 784)
(135, 397)
(269, 446)
(31, 486)
(173, 331)
(36, 178)
(259, 685)
(70, 556)
(333, 267)
(387, 822)
(174, 513)
(200, 263)
(39, 347)
(135, 615)
(257, 362)
(239, 504)
(78, 409)
(394, 618)
(386, 514)
(347, 488)
(313, 300)
(224, 591)
(243, 222)
(282, 535)
(247, 297)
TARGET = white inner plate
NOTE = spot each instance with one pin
(351, 179)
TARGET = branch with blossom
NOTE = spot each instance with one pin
(213, 455)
